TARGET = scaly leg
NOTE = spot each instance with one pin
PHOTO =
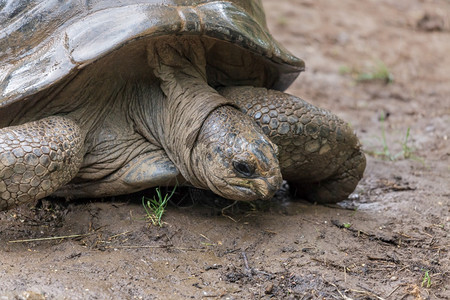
(150, 169)
(319, 154)
(36, 158)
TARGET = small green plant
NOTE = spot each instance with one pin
(155, 207)
(345, 70)
(426, 280)
(379, 72)
(405, 153)
(354, 211)
(385, 152)
(347, 225)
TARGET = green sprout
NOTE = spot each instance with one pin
(385, 152)
(379, 72)
(155, 207)
(405, 153)
(426, 281)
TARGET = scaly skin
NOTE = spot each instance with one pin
(37, 158)
(319, 154)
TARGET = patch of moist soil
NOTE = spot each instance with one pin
(390, 240)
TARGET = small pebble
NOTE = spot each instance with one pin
(269, 288)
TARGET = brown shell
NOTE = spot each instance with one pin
(44, 41)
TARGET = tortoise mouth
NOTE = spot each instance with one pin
(261, 188)
(233, 188)
(250, 194)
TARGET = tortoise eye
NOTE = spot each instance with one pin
(243, 168)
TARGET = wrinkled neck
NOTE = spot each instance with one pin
(146, 110)
(180, 104)
(188, 104)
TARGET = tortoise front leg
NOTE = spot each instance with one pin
(37, 158)
(319, 154)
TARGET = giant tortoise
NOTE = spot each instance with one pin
(101, 98)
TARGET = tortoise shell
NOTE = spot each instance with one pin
(44, 42)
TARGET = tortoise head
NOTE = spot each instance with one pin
(234, 158)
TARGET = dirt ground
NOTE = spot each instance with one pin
(382, 65)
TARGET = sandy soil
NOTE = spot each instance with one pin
(389, 241)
